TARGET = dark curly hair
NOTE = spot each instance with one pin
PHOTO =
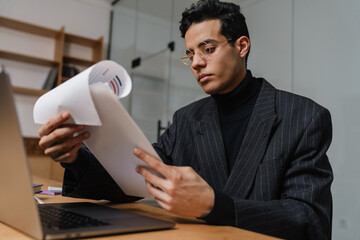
(232, 21)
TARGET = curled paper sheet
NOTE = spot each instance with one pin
(113, 133)
(74, 95)
(113, 142)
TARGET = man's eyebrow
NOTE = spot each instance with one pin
(203, 43)
(206, 41)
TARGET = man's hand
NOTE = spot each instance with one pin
(181, 190)
(61, 141)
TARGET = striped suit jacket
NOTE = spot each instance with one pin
(281, 179)
(280, 182)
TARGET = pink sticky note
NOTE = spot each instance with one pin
(47, 192)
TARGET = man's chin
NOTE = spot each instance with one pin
(209, 91)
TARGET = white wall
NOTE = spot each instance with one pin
(269, 24)
(312, 47)
(88, 18)
(327, 58)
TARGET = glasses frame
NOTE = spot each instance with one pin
(185, 59)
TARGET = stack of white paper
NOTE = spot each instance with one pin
(91, 97)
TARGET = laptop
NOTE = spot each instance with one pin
(18, 208)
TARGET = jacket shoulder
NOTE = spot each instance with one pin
(197, 109)
(286, 101)
(290, 106)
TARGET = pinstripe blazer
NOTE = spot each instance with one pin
(281, 179)
(280, 182)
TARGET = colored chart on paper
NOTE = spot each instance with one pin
(114, 75)
(115, 84)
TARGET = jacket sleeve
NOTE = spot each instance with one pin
(87, 178)
(304, 209)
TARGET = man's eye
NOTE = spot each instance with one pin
(209, 49)
(189, 53)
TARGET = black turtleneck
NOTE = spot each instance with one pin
(235, 109)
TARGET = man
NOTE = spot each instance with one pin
(249, 155)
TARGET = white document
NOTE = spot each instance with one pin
(74, 95)
(91, 97)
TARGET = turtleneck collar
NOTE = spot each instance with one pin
(240, 95)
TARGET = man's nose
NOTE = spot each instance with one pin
(198, 61)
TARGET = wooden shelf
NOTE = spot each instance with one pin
(28, 59)
(72, 38)
(27, 27)
(29, 91)
(79, 61)
(59, 58)
(96, 46)
(64, 79)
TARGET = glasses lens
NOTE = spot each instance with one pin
(186, 57)
(207, 49)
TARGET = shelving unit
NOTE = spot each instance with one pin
(96, 46)
(28, 59)
(29, 91)
(59, 58)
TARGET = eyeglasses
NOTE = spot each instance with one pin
(204, 49)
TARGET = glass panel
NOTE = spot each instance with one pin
(122, 49)
(153, 27)
(162, 83)
(183, 88)
(149, 95)
(141, 29)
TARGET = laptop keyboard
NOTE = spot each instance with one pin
(61, 219)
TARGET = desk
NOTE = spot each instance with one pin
(185, 228)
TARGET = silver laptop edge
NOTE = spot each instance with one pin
(17, 205)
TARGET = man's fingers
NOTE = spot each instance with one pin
(70, 156)
(151, 177)
(53, 123)
(157, 193)
(153, 162)
(61, 141)
(59, 135)
(66, 146)
(164, 205)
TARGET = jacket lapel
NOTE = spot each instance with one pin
(210, 147)
(254, 144)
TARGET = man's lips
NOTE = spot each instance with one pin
(203, 77)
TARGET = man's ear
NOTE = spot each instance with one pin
(242, 44)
